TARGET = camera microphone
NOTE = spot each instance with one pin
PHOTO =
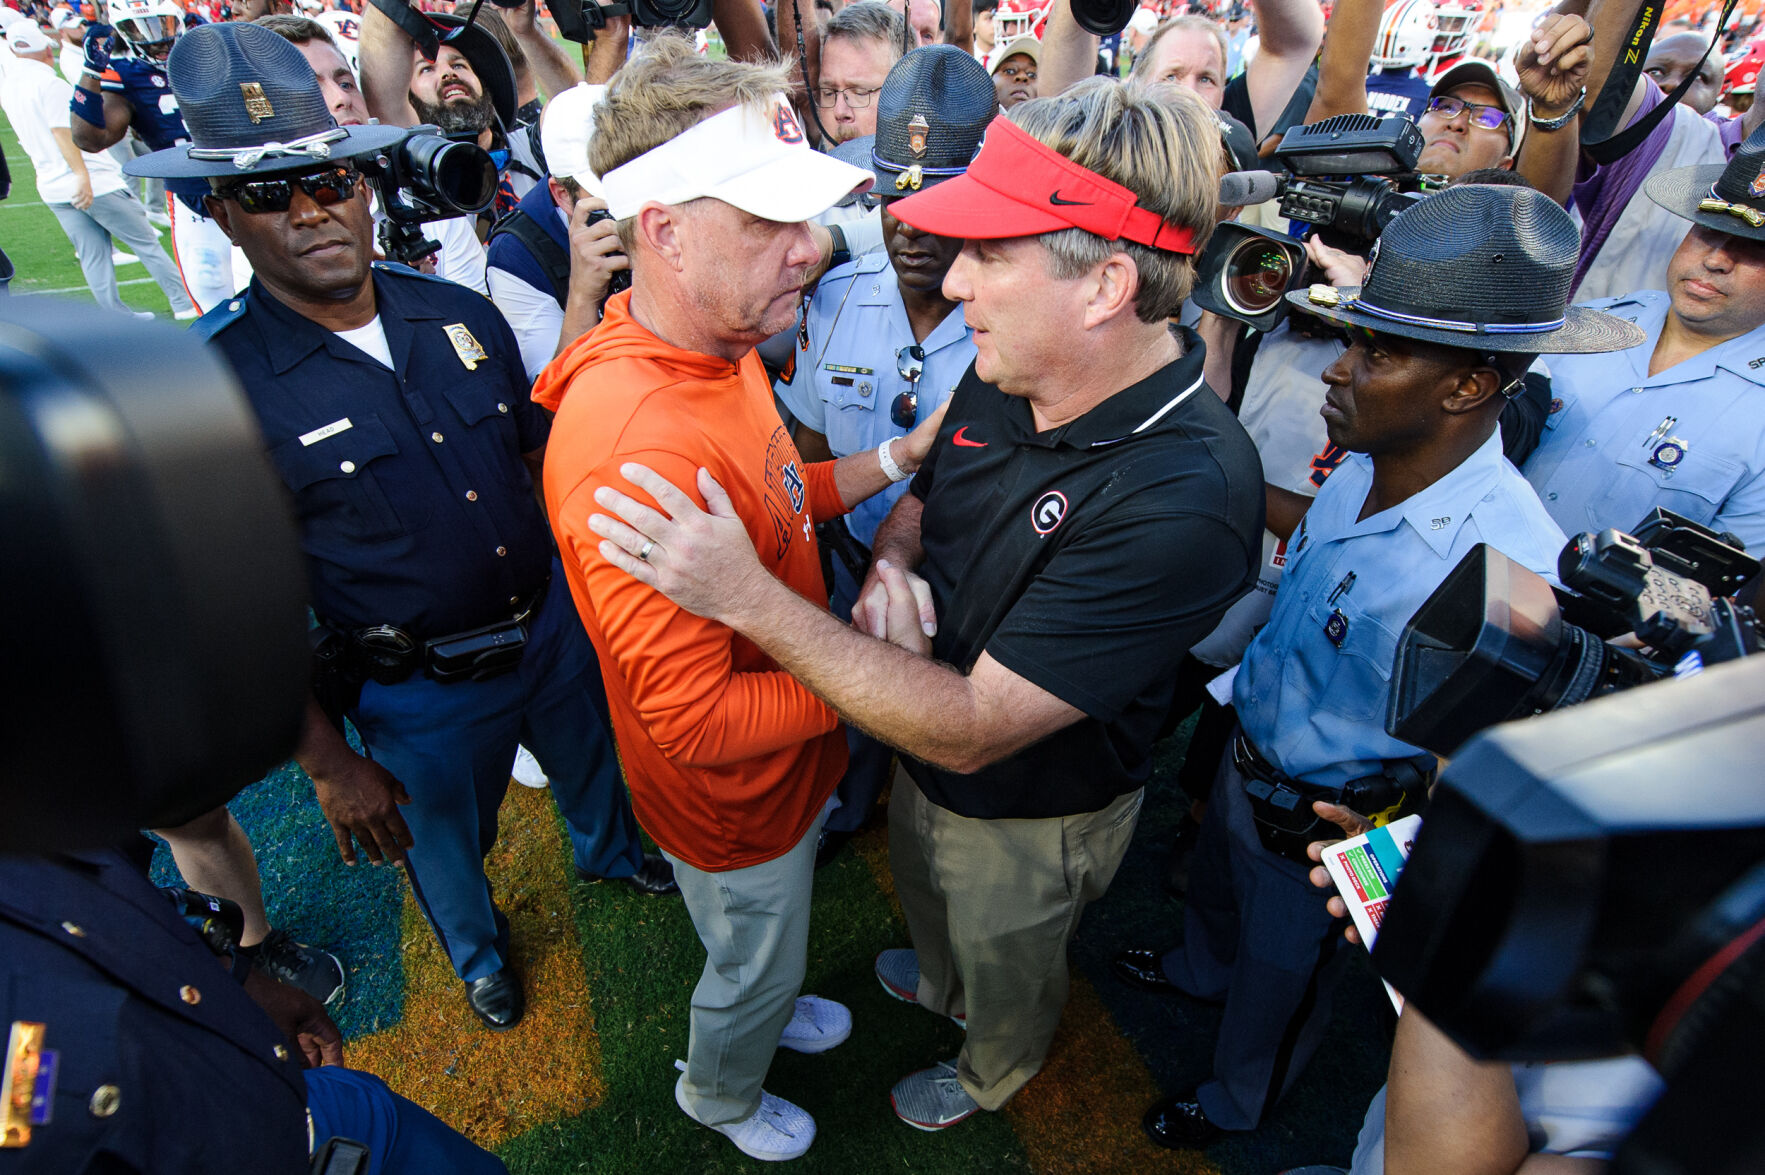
(1240, 189)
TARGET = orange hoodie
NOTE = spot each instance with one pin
(728, 758)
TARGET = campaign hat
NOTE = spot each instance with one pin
(931, 115)
(1729, 198)
(1480, 266)
(252, 106)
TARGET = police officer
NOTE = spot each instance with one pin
(1415, 400)
(1679, 419)
(143, 1054)
(880, 346)
(395, 408)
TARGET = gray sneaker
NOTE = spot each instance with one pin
(897, 969)
(932, 1099)
(316, 972)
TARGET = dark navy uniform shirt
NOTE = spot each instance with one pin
(415, 507)
(1086, 559)
(161, 1061)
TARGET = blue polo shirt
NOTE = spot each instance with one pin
(1311, 694)
(415, 506)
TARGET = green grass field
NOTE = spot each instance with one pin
(43, 257)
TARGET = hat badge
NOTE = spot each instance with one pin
(917, 130)
(1756, 189)
(256, 104)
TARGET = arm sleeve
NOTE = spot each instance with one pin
(825, 502)
(679, 669)
(1120, 605)
(533, 315)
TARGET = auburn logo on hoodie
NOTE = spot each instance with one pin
(785, 489)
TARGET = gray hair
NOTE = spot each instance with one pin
(868, 20)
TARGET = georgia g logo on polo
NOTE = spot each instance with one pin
(1048, 511)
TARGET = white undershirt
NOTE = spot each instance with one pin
(370, 339)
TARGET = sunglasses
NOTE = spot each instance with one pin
(1490, 118)
(334, 185)
(910, 362)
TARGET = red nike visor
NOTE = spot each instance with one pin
(1018, 186)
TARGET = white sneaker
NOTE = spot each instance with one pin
(187, 315)
(897, 969)
(527, 771)
(118, 257)
(816, 1026)
(776, 1132)
(932, 1099)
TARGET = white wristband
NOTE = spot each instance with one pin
(890, 470)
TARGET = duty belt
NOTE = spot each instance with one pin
(1281, 806)
(388, 655)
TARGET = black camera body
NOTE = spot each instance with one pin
(427, 176)
(1495, 642)
(1347, 176)
(621, 278)
(581, 20)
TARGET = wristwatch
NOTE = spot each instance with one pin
(1557, 124)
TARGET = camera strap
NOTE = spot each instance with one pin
(414, 24)
(1600, 136)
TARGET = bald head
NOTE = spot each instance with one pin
(1671, 58)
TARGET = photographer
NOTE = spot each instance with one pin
(1415, 400)
(456, 77)
(393, 406)
(552, 261)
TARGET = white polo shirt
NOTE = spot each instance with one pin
(35, 99)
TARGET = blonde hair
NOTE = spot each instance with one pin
(1201, 24)
(1163, 144)
(668, 88)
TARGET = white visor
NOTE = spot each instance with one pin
(756, 159)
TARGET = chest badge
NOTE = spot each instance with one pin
(1336, 628)
(1668, 454)
(465, 346)
(1048, 512)
(29, 1083)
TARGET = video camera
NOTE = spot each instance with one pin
(1496, 642)
(1347, 176)
(580, 20)
(427, 176)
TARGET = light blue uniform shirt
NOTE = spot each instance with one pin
(1619, 441)
(1315, 706)
(847, 378)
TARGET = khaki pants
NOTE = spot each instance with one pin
(754, 923)
(990, 905)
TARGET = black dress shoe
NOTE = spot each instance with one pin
(829, 846)
(654, 878)
(1143, 969)
(497, 999)
(1179, 1124)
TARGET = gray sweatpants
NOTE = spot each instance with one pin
(754, 923)
(120, 215)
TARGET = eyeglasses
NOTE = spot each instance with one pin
(910, 362)
(856, 99)
(332, 186)
(1490, 118)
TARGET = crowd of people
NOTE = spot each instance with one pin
(826, 423)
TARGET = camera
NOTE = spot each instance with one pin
(621, 278)
(580, 20)
(1103, 18)
(427, 176)
(1346, 176)
(1496, 642)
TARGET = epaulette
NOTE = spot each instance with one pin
(221, 317)
(403, 270)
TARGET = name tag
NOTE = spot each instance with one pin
(330, 430)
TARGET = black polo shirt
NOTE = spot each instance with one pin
(1086, 559)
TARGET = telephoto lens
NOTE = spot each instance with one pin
(459, 177)
(1257, 273)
